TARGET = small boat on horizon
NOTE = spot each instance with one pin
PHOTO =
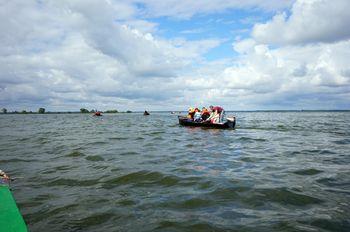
(229, 124)
(145, 113)
(97, 113)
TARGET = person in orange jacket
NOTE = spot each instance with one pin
(191, 113)
(205, 113)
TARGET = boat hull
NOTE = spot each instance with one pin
(229, 124)
(10, 218)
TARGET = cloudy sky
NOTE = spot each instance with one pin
(171, 54)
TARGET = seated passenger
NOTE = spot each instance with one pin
(215, 118)
(197, 115)
(205, 113)
(190, 113)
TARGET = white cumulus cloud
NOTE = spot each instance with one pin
(310, 21)
(67, 54)
(64, 55)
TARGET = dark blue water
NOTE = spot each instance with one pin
(286, 171)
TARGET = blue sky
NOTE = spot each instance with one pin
(168, 55)
(226, 26)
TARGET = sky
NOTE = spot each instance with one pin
(170, 54)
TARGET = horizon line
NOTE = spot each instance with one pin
(138, 111)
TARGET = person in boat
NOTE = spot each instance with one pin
(197, 117)
(4, 178)
(216, 118)
(205, 113)
(217, 114)
(191, 113)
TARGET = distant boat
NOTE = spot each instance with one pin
(229, 124)
(145, 113)
(11, 218)
(98, 113)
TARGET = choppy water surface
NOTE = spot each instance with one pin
(284, 171)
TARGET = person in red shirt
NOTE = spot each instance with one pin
(217, 110)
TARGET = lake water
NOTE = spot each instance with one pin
(277, 171)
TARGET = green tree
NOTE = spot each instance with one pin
(84, 111)
(4, 110)
(41, 111)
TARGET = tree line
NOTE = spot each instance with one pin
(40, 111)
(43, 111)
(84, 111)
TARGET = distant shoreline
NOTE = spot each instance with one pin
(169, 111)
